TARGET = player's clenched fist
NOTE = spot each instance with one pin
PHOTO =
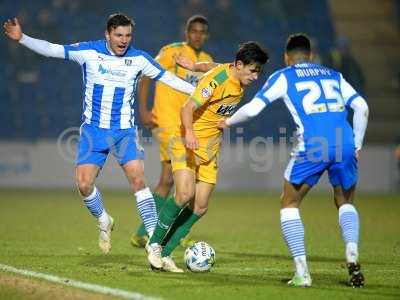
(12, 29)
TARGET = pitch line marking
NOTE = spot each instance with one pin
(79, 284)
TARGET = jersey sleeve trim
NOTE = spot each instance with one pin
(260, 96)
(162, 72)
(350, 100)
(196, 101)
(66, 52)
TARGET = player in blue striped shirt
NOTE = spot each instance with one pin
(111, 68)
(318, 99)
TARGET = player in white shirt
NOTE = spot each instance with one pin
(111, 68)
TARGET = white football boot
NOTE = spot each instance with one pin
(300, 280)
(105, 235)
(154, 255)
(170, 266)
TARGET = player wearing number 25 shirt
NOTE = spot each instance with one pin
(318, 99)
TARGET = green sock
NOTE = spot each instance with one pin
(160, 201)
(183, 224)
(166, 217)
(181, 219)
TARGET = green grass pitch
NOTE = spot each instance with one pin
(52, 232)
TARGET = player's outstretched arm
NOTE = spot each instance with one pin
(188, 64)
(245, 113)
(176, 83)
(13, 30)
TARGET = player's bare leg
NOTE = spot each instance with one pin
(166, 181)
(349, 224)
(85, 177)
(293, 231)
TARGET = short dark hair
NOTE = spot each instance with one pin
(119, 19)
(298, 42)
(197, 19)
(250, 52)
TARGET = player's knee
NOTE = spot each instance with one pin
(200, 210)
(137, 183)
(183, 197)
(289, 201)
(85, 185)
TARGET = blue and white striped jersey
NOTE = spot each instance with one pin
(317, 98)
(110, 81)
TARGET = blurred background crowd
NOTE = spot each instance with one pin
(41, 97)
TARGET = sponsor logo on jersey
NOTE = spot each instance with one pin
(119, 73)
(226, 110)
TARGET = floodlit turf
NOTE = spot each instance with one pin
(52, 232)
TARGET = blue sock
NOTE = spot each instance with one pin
(147, 209)
(349, 224)
(94, 203)
(293, 233)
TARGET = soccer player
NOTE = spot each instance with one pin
(195, 146)
(318, 99)
(111, 68)
(165, 118)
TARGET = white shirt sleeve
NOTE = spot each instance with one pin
(42, 47)
(360, 120)
(177, 83)
(153, 70)
(246, 112)
(273, 89)
(348, 92)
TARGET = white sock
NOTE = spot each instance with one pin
(352, 252)
(104, 218)
(301, 265)
(147, 209)
(94, 204)
(350, 227)
(293, 233)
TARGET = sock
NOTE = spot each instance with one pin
(160, 201)
(167, 216)
(141, 231)
(349, 224)
(147, 209)
(293, 233)
(94, 203)
(181, 228)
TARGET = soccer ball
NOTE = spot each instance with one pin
(200, 257)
